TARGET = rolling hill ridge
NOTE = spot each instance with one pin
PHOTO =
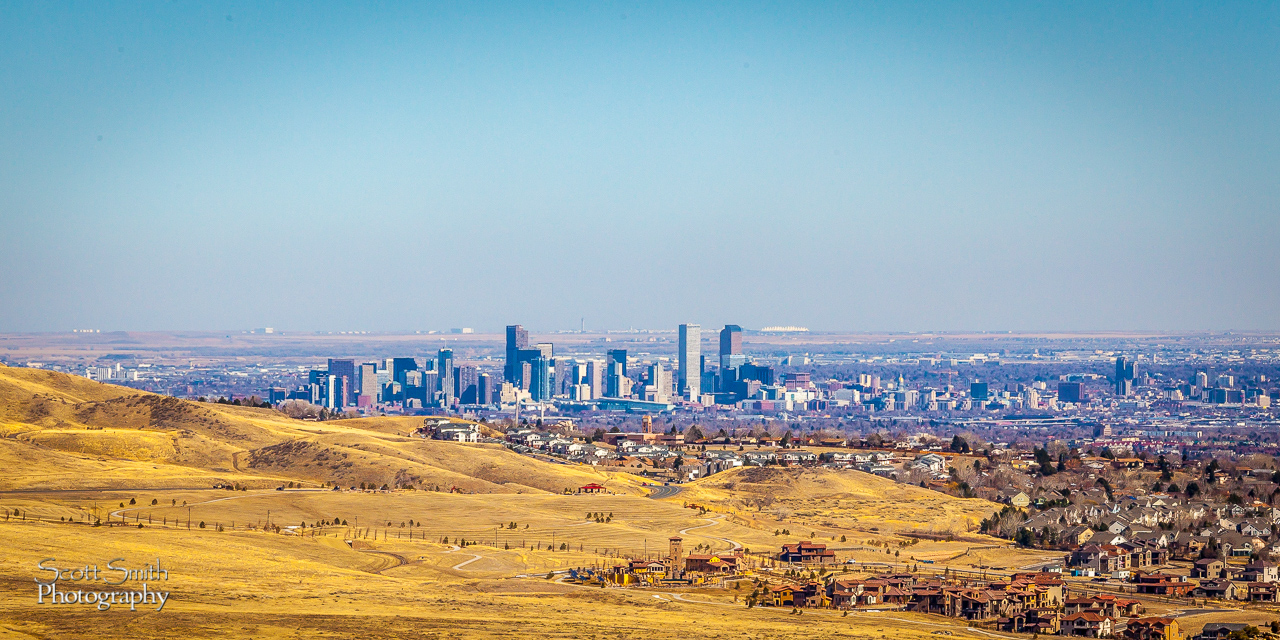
(100, 433)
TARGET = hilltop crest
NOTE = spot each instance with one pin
(204, 444)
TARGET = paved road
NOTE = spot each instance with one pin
(1179, 613)
(661, 492)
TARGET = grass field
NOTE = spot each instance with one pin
(269, 586)
(253, 583)
(414, 562)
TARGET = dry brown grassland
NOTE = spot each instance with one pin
(394, 564)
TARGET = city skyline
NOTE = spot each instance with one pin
(496, 375)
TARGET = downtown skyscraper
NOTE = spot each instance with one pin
(731, 356)
(345, 370)
(517, 339)
(444, 369)
(689, 356)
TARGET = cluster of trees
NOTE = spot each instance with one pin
(251, 401)
(1045, 462)
(1004, 523)
(303, 410)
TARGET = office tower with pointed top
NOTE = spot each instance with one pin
(689, 362)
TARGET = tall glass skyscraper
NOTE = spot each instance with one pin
(540, 386)
(517, 339)
(689, 374)
(444, 367)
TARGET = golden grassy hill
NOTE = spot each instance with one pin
(52, 421)
(257, 585)
(352, 458)
(839, 499)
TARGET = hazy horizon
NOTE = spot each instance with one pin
(709, 333)
(873, 167)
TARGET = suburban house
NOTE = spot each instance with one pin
(458, 433)
(846, 594)
(1162, 584)
(1219, 630)
(1087, 624)
(1153, 629)
(1238, 545)
(1262, 592)
(1255, 527)
(1107, 538)
(806, 552)
(1208, 568)
(1260, 571)
(809, 594)
(1035, 621)
(1102, 558)
(711, 563)
(1221, 589)
(1077, 535)
(1104, 604)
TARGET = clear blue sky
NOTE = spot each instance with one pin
(860, 166)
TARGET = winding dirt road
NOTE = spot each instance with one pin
(400, 560)
(459, 567)
(714, 520)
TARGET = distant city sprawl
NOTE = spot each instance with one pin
(1184, 396)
